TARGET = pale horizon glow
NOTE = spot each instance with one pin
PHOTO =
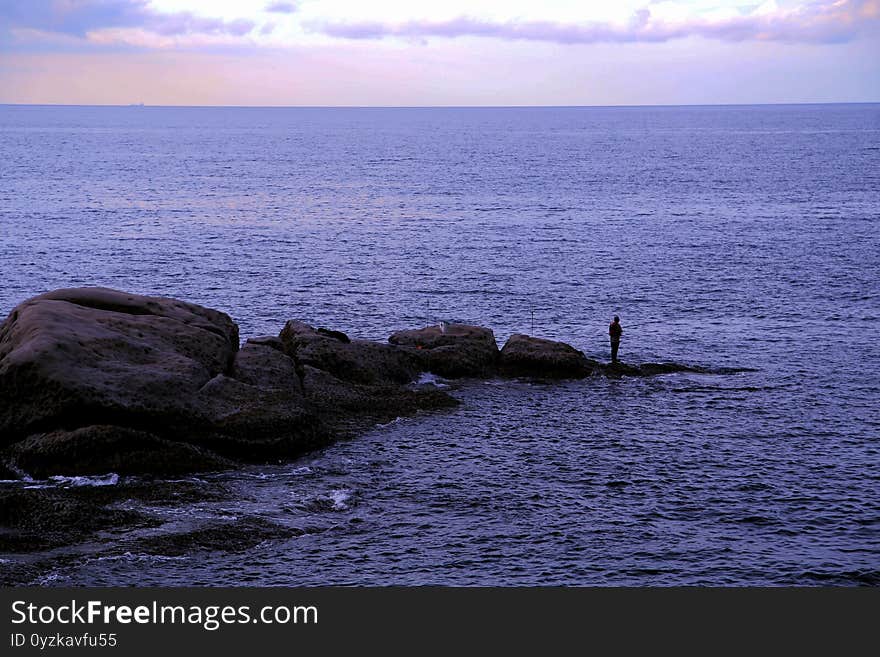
(456, 52)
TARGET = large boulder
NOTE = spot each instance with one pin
(94, 378)
(355, 361)
(527, 356)
(98, 356)
(451, 350)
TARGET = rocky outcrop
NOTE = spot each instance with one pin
(525, 356)
(348, 407)
(352, 383)
(96, 380)
(354, 361)
(451, 350)
(76, 357)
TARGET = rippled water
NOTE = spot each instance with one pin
(723, 236)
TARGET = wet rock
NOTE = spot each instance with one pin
(253, 423)
(619, 369)
(59, 514)
(34, 519)
(452, 351)
(347, 406)
(356, 361)
(100, 449)
(89, 356)
(233, 536)
(88, 367)
(651, 369)
(526, 356)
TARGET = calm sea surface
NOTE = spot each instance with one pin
(744, 237)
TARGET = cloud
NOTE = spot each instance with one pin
(87, 18)
(281, 7)
(826, 21)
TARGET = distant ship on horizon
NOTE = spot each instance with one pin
(136, 105)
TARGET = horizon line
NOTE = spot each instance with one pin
(607, 106)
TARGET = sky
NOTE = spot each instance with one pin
(449, 52)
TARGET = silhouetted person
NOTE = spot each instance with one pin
(615, 331)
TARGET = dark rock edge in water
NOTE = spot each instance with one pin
(95, 380)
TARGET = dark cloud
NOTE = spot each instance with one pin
(814, 22)
(78, 17)
(281, 7)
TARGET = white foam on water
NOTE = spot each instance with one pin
(302, 470)
(49, 579)
(110, 479)
(137, 557)
(433, 379)
(340, 497)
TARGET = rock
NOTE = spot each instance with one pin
(90, 369)
(346, 406)
(101, 449)
(651, 369)
(264, 366)
(526, 356)
(89, 356)
(458, 351)
(618, 369)
(224, 536)
(272, 341)
(648, 369)
(254, 423)
(264, 401)
(33, 519)
(337, 335)
(356, 361)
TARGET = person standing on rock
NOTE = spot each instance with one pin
(615, 330)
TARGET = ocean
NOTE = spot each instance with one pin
(725, 236)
